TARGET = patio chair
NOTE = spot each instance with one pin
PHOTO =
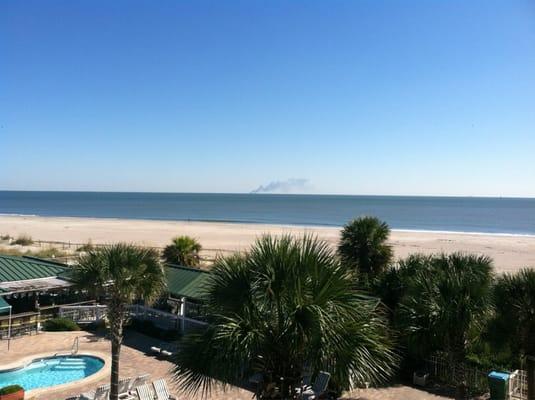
(306, 383)
(140, 380)
(125, 385)
(318, 388)
(144, 392)
(162, 391)
(101, 393)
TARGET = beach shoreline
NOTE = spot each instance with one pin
(509, 251)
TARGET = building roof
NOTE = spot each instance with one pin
(26, 274)
(185, 282)
(21, 274)
(13, 269)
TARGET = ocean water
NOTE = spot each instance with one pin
(457, 214)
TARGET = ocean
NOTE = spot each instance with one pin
(452, 214)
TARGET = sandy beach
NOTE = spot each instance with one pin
(509, 252)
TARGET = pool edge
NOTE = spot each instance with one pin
(100, 374)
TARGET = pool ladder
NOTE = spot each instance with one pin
(74, 348)
(75, 345)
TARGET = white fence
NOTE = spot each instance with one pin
(451, 374)
(518, 385)
(83, 314)
(161, 319)
(477, 380)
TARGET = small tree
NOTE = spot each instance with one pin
(183, 250)
(121, 273)
(363, 246)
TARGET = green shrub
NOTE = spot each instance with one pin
(5, 237)
(61, 324)
(23, 240)
(10, 389)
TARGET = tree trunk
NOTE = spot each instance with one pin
(530, 361)
(116, 318)
(114, 383)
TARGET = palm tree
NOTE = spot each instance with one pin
(515, 318)
(392, 284)
(120, 273)
(363, 245)
(285, 306)
(446, 305)
(183, 250)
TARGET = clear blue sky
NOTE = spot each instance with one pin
(357, 97)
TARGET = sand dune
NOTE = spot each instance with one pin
(508, 252)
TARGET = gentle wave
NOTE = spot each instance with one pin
(17, 215)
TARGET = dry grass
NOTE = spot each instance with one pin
(48, 252)
(23, 240)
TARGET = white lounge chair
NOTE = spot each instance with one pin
(125, 385)
(318, 388)
(144, 392)
(140, 380)
(162, 391)
(101, 393)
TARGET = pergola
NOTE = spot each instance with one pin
(3, 307)
(22, 281)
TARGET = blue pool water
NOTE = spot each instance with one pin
(51, 371)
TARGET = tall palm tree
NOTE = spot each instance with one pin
(183, 250)
(392, 284)
(284, 305)
(119, 273)
(363, 245)
(514, 297)
(445, 303)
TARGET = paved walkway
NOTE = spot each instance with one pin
(136, 361)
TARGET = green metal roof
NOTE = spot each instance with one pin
(4, 306)
(181, 281)
(24, 268)
(185, 282)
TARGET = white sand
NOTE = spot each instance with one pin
(509, 252)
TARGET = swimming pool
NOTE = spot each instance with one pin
(51, 371)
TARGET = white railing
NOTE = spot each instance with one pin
(518, 385)
(83, 314)
(450, 373)
(162, 319)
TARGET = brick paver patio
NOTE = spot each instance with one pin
(135, 361)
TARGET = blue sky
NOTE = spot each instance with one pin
(356, 97)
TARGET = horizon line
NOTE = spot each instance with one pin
(278, 194)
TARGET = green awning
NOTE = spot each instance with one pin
(4, 306)
(185, 282)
